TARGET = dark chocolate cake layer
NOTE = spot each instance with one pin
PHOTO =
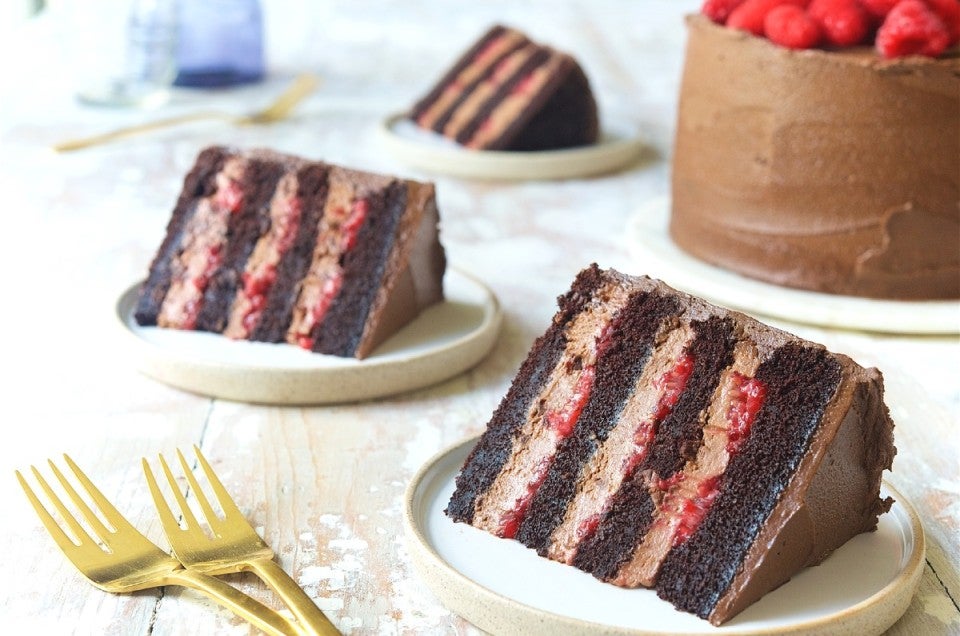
(363, 271)
(567, 117)
(654, 439)
(471, 86)
(490, 454)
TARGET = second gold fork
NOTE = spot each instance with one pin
(235, 545)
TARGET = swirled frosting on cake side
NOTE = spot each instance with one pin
(828, 170)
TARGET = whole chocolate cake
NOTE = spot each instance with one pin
(653, 439)
(275, 248)
(831, 169)
(509, 93)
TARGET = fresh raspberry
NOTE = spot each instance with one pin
(878, 9)
(750, 15)
(719, 10)
(843, 22)
(949, 12)
(912, 28)
(789, 25)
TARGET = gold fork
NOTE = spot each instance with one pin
(302, 86)
(235, 545)
(121, 559)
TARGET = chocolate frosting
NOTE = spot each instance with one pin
(833, 171)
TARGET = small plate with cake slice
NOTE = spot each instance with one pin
(661, 464)
(510, 108)
(503, 587)
(446, 339)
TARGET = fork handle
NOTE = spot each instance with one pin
(308, 614)
(246, 607)
(128, 131)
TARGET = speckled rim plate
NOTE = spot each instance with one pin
(652, 248)
(617, 147)
(443, 341)
(503, 587)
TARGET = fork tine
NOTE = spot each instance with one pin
(208, 511)
(167, 518)
(88, 514)
(188, 517)
(229, 507)
(65, 541)
(110, 513)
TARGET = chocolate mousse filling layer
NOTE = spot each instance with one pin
(677, 439)
(553, 417)
(204, 247)
(198, 184)
(633, 332)
(312, 188)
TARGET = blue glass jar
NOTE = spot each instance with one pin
(220, 43)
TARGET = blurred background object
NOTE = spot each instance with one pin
(220, 43)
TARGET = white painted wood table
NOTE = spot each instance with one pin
(324, 484)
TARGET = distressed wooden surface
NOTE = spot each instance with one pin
(324, 485)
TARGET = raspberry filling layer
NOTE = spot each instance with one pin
(201, 251)
(481, 61)
(319, 304)
(260, 272)
(686, 504)
(513, 104)
(339, 229)
(486, 89)
(747, 398)
(560, 423)
(670, 385)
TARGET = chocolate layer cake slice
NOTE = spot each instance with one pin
(271, 247)
(507, 92)
(653, 439)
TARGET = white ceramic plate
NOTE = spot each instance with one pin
(618, 145)
(445, 340)
(503, 587)
(651, 246)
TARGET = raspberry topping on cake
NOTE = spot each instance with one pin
(912, 28)
(843, 22)
(878, 9)
(896, 28)
(751, 15)
(790, 26)
(720, 10)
